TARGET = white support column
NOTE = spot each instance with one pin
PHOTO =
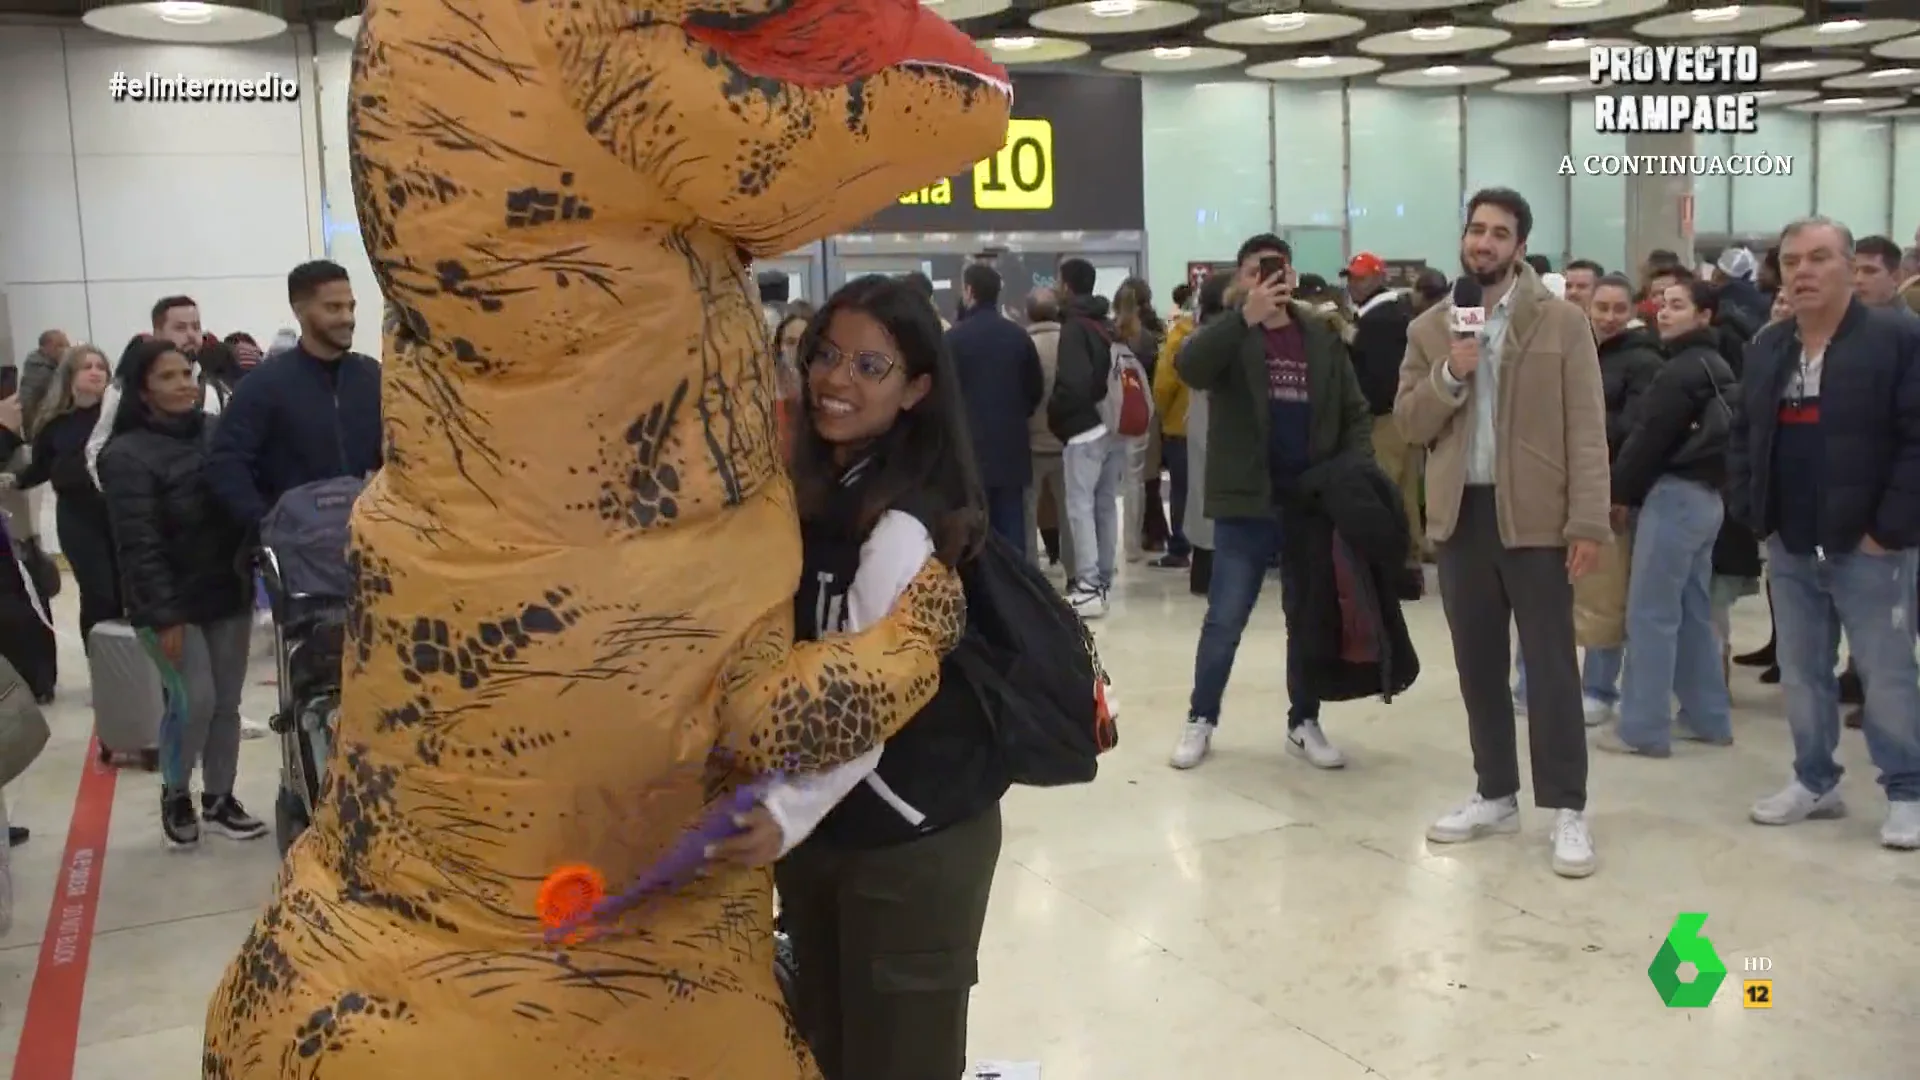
(1659, 208)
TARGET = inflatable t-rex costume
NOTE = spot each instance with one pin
(571, 628)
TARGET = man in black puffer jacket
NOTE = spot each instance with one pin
(1825, 463)
(1629, 355)
(1378, 343)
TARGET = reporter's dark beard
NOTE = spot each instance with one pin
(1487, 280)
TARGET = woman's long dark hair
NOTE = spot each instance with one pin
(132, 374)
(926, 458)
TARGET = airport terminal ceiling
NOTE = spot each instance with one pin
(1853, 56)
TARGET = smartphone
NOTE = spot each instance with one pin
(1272, 265)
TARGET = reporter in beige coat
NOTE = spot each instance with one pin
(1517, 502)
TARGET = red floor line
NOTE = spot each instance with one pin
(51, 1033)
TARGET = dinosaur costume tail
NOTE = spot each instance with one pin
(571, 628)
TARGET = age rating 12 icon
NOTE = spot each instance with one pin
(1685, 944)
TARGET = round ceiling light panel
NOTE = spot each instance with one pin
(1406, 5)
(1905, 112)
(956, 10)
(348, 27)
(1286, 28)
(1572, 12)
(1721, 21)
(1434, 41)
(1903, 49)
(1841, 32)
(1307, 68)
(185, 22)
(1114, 17)
(1849, 105)
(1565, 51)
(1547, 84)
(1800, 70)
(1880, 80)
(1444, 75)
(1015, 50)
(1172, 58)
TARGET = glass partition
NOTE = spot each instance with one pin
(1207, 172)
(1404, 199)
(1906, 188)
(1851, 186)
(1763, 204)
(1517, 141)
(1597, 204)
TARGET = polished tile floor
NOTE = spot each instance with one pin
(1250, 920)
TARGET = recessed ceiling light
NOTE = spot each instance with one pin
(1284, 22)
(185, 12)
(1890, 73)
(1441, 71)
(1559, 80)
(1177, 52)
(1567, 43)
(1839, 26)
(1578, 3)
(1786, 66)
(1313, 61)
(1845, 101)
(1014, 44)
(1430, 33)
(1114, 9)
(1719, 14)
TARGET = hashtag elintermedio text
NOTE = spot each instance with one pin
(153, 87)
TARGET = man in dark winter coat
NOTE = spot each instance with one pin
(1824, 462)
(1001, 383)
(1093, 459)
(1378, 344)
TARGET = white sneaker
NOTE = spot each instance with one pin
(1475, 818)
(1902, 829)
(1598, 712)
(1572, 844)
(1088, 602)
(1309, 742)
(1519, 707)
(253, 729)
(1796, 803)
(1196, 738)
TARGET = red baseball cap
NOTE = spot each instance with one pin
(1365, 264)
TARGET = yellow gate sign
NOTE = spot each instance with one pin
(1019, 176)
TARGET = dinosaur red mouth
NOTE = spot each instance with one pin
(831, 43)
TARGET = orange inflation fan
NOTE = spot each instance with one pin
(567, 899)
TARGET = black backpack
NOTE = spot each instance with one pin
(1031, 663)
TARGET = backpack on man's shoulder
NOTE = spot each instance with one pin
(1030, 661)
(1127, 410)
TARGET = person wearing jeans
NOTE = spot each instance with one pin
(1825, 464)
(180, 556)
(1672, 466)
(1281, 397)
(1093, 457)
(1599, 682)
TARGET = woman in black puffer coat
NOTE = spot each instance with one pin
(183, 584)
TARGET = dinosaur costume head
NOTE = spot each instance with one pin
(572, 624)
(784, 121)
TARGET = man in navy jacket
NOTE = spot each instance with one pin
(1825, 463)
(1001, 382)
(309, 414)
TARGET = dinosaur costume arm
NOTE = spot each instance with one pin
(807, 706)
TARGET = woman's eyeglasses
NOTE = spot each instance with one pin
(871, 366)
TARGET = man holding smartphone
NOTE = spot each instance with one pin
(1257, 445)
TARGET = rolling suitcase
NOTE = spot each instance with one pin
(126, 697)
